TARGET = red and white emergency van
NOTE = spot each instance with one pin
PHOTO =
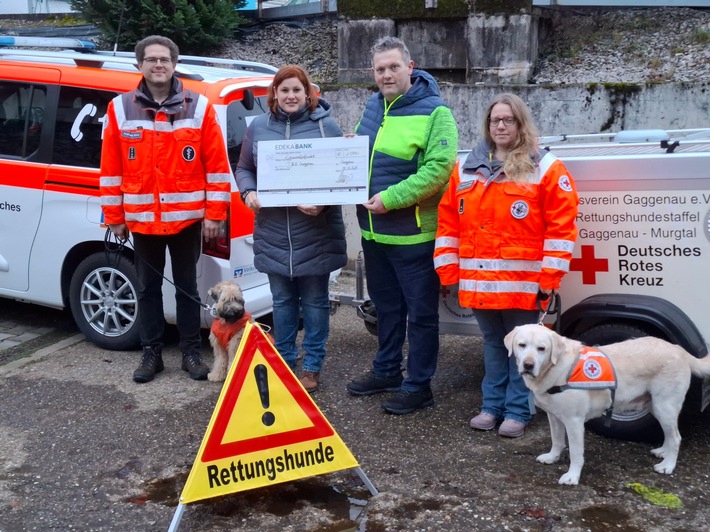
(52, 236)
(642, 259)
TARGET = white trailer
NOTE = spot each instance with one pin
(641, 265)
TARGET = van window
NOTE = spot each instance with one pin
(238, 119)
(77, 136)
(22, 111)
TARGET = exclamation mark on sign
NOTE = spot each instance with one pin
(262, 383)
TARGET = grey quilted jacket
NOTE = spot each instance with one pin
(287, 241)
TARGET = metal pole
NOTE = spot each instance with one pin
(370, 486)
(175, 523)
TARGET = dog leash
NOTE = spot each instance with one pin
(117, 245)
(553, 307)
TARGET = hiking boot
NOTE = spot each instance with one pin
(511, 428)
(370, 384)
(483, 421)
(407, 402)
(309, 380)
(192, 363)
(151, 363)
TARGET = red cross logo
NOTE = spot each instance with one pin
(589, 265)
(444, 291)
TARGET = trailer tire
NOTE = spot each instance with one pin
(636, 425)
(103, 296)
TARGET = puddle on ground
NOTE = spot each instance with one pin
(280, 500)
(605, 517)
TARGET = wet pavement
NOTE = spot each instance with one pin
(83, 447)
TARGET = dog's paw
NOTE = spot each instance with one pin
(548, 458)
(660, 452)
(215, 377)
(666, 467)
(569, 479)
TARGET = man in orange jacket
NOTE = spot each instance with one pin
(165, 177)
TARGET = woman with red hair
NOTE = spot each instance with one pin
(297, 246)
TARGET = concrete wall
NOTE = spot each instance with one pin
(571, 109)
(477, 48)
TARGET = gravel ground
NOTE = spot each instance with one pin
(82, 447)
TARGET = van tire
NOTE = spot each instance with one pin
(639, 425)
(103, 296)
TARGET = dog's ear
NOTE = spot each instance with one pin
(214, 292)
(557, 347)
(509, 341)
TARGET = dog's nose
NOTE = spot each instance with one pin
(528, 365)
(230, 316)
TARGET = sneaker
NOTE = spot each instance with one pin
(483, 421)
(309, 380)
(151, 363)
(511, 428)
(407, 402)
(370, 384)
(192, 363)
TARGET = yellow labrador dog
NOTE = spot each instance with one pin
(644, 367)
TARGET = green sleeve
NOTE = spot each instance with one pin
(435, 163)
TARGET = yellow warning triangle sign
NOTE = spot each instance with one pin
(265, 429)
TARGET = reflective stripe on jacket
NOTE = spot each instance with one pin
(502, 241)
(163, 167)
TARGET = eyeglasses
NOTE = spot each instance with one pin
(507, 121)
(155, 60)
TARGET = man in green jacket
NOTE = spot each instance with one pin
(413, 147)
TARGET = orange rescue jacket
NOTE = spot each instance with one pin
(502, 241)
(163, 167)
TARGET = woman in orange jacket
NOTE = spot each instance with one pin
(506, 234)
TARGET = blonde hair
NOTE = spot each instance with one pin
(519, 165)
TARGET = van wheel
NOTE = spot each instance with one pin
(637, 424)
(103, 296)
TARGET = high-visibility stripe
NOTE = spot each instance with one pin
(138, 199)
(447, 242)
(546, 162)
(164, 127)
(111, 200)
(181, 216)
(445, 259)
(111, 181)
(559, 245)
(182, 197)
(555, 263)
(218, 196)
(137, 124)
(219, 178)
(501, 265)
(140, 217)
(498, 287)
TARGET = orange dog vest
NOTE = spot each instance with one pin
(224, 331)
(592, 371)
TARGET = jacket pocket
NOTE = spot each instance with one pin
(188, 161)
(133, 146)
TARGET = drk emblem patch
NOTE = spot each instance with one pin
(519, 209)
